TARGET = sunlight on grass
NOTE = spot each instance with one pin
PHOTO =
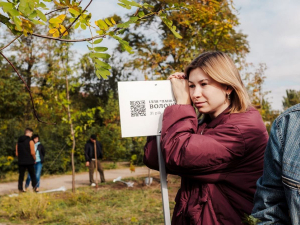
(112, 203)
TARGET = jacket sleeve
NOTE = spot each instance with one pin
(42, 150)
(150, 153)
(188, 153)
(86, 153)
(270, 205)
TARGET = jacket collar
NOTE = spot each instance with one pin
(219, 119)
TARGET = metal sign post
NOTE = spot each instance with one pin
(163, 183)
(142, 104)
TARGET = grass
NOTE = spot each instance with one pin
(112, 203)
(107, 165)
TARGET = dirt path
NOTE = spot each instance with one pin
(81, 179)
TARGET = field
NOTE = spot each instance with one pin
(112, 203)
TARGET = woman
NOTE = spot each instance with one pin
(40, 155)
(220, 157)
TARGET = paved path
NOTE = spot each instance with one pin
(81, 179)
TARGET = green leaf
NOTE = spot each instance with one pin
(77, 25)
(74, 12)
(102, 64)
(134, 18)
(169, 25)
(14, 12)
(100, 55)
(103, 73)
(54, 20)
(37, 22)
(102, 25)
(83, 26)
(100, 49)
(124, 6)
(141, 14)
(130, 3)
(42, 5)
(41, 15)
(32, 15)
(98, 41)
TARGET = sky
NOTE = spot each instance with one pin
(273, 29)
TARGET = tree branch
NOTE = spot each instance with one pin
(68, 28)
(67, 40)
(34, 110)
(56, 10)
(10, 42)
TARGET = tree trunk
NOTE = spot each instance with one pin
(72, 135)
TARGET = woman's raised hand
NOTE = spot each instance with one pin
(180, 88)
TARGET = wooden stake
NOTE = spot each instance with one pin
(95, 149)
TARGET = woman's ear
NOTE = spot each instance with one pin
(229, 89)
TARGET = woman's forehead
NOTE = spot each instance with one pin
(198, 75)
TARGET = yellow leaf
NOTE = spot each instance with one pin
(62, 29)
(56, 34)
(112, 20)
(57, 3)
(61, 17)
(52, 31)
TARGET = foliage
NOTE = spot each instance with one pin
(203, 26)
(23, 16)
(292, 98)
(5, 165)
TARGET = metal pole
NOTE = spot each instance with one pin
(163, 184)
(95, 149)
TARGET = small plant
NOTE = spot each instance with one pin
(132, 161)
(250, 220)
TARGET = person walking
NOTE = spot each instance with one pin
(26, 158)
(91, 160)
(40, 155)
(218, 156)
(277, 198)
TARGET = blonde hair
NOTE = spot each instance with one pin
(221, 68)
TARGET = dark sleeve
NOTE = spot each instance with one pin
(186, 152)
(150, 153)
(42, 150)
(86, 153)
(101, 150)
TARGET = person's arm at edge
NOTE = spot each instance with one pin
(269, 201)
(17, 150)
(87, 159)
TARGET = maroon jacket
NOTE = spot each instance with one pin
(219, 162)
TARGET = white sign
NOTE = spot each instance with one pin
(142, 104)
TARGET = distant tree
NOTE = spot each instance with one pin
(203, 26)
(292, 98)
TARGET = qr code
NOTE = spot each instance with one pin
(138, 108)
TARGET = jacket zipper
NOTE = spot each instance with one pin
(291, 183)
(203, 129)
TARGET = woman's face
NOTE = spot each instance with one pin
(208, 95)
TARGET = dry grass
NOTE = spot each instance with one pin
(112, 203)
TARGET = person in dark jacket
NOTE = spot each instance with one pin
(219, 157)
(26, 158)
(40, 155)
(90, 158)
